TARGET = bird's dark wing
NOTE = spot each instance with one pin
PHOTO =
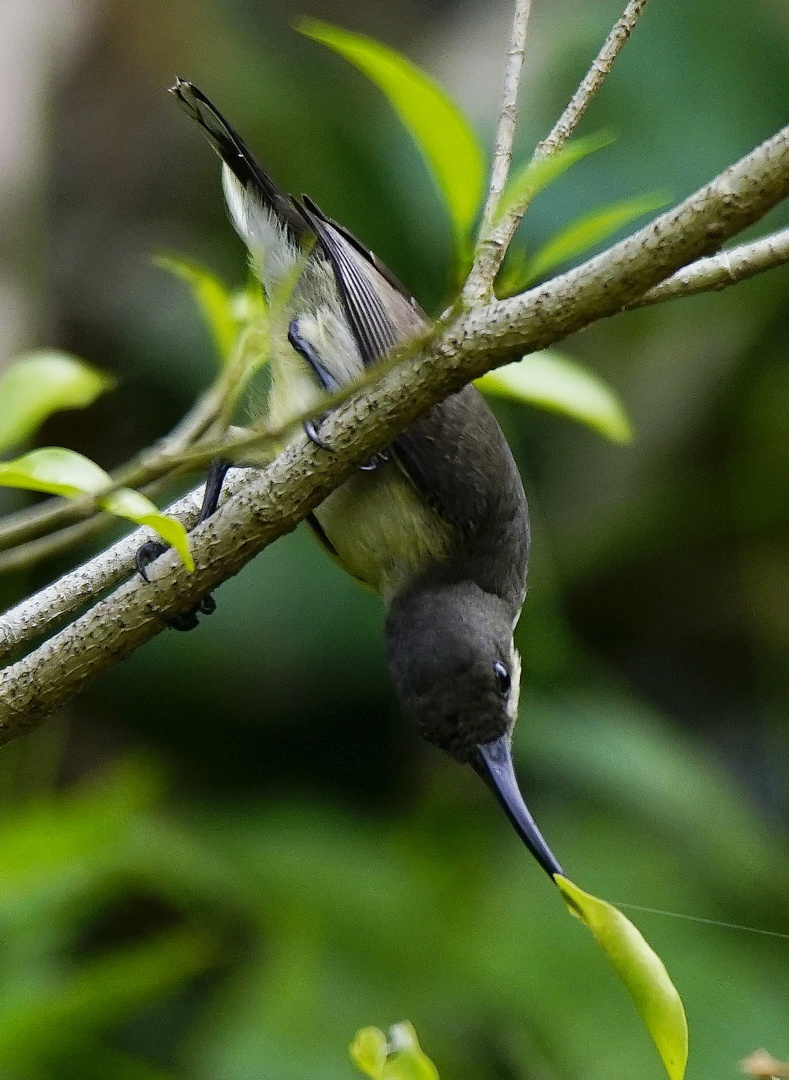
(380, 311)
(456, 455)
(238, 157)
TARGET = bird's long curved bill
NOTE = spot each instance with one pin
(493, 762)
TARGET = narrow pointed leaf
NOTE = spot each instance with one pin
(433, 120)
(553, 381)
(641, 970)
(589, 230)
(368, 1052)
(40, 384)
(512, 276)
(213, 298)
(534, 176)
(406, 1060)
(58, 471)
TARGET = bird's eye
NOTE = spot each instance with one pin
(503, 677)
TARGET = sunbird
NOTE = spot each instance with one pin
(437, 523)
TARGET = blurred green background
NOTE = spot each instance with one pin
(231, 853)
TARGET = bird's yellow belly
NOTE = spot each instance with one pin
(383, 532)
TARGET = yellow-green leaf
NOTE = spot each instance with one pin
(58, 471)
(132, 505)
(368, 1052)
(532, 177)
(589, 230)
(553, 381)
(405, 1059)
(641, 970)
(40, 384)
(213, 298)
(54, 470)
(434, 121)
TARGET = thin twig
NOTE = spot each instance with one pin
(152, 464)
(38, 615)
(722, 270)
(592, 81)
(479, 285)
(174, 455)
(33, 552)
(303, 475)
(502, 235)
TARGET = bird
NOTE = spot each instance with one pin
(437, 523)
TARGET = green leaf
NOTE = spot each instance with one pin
(640, 969)
(132, 505)
(512, 276)
(590, 230)
(40, 384)
(534, 176)
(398, 1058)
(433, 120)
(54, 470)
(406, 1060)
(217, 304)
(553, 381)
(58, 471)
(368, 1052)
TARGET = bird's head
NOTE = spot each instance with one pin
(457, 676)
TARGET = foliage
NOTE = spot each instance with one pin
(552, 381)
(58, 471)
(640, 969)
(400, 1057)
(654, 641)
(438, 127)
(40, 384)
(259, 925)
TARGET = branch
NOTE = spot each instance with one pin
(148, 467)
(273, 502)
(592, 81)
(488, 257)
(720, 271)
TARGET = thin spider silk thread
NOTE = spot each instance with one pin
(708, 922)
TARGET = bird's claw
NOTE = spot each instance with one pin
(377, 459)
(189, 620)
(146, 554)
(311, 432)
(184, 620)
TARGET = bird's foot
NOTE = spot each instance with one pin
(184, 620)
(311, 431)
(377, 459)
(146, 554)
(189, 619)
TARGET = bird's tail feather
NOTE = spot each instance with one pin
(239, 159)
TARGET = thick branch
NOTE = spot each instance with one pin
(274, 502)
(36, 616)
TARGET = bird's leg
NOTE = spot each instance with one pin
(309, 353)
(188, 620)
